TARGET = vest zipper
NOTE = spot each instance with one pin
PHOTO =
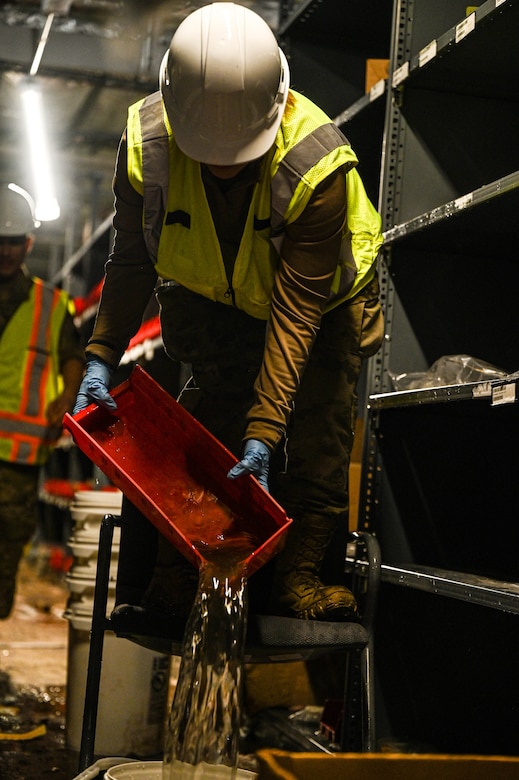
(230, 294)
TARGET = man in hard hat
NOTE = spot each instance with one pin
(238, 200)
(41, 366)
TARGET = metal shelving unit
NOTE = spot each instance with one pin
(440, 465)
(439, 484)
(483, 591)
(497, 391)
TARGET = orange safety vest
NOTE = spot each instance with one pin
(29, 375)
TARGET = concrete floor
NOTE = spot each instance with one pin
(33, 673)
(34, 657)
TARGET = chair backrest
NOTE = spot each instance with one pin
(363, 566)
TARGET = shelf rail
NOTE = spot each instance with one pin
(483, 591)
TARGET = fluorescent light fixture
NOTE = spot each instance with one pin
(46, 204)
(41, 46)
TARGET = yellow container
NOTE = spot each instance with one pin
(283, 765)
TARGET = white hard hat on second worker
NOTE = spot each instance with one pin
(16, 211)
(224, 81)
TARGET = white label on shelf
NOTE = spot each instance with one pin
(504, 394)
(482, 390)
(465, 27)
(464, 201)
(500, 2)
(400, 74)
(377, 89)
(428, 53)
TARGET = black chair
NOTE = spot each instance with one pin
(270, 639)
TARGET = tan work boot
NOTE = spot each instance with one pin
(297, 590)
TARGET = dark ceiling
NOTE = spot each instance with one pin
(100, 56)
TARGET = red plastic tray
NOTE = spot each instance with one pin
(175, 472)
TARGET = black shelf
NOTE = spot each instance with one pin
(327, 43)
(496, 594)
(443, 493)
(447, 670)
(454, 118)
(361, 24)
(477, 56)
(442, 301)
(475, 223)
(440, 464)
(430, 395)
(363, 104)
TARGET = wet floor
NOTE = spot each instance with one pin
(34, 654)
(33, 670)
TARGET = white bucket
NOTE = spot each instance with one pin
(81, 596)
(133, 692)
(85, 551)
(139, 770)
(86, 569)
(152, 770)
(87, 511)
(103, 498)
(134, 687)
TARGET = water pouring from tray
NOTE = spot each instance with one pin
(205, 718)
(174, 471)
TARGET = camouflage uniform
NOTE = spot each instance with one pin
(19, 483)
(18, 520)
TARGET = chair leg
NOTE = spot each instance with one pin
(358, 720)
(352, 721)
(361, 710)
(95, 657)
(368, 685)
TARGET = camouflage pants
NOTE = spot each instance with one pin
(18, 522)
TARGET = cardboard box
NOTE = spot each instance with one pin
(355, 473)
(277, 685)
(355, 477)
(376, 70)
(283, 765)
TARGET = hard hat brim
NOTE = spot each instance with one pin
(207, 150)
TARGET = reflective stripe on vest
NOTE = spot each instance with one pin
(24, 434)
(362, 233)
(294, 165)
(155, 172)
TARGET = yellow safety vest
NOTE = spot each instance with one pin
(177, 223)
(29, 378)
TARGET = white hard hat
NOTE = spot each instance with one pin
(16, 211)
(224, 81)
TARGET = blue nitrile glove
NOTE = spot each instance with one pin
(94, 387)
(256, 461)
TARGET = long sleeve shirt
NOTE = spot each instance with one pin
(307, 264)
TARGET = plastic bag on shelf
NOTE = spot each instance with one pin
(449, 370)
